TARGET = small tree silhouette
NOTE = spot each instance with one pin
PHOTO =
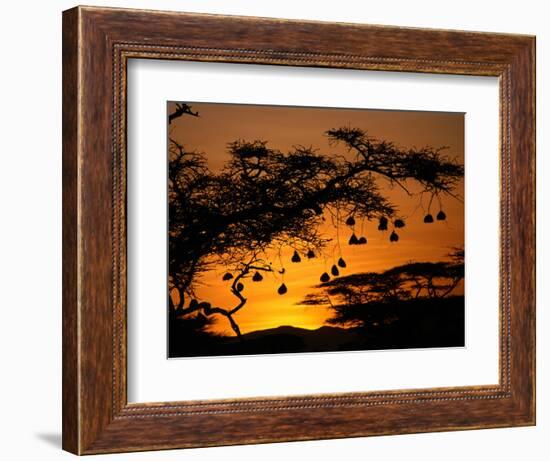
(264, 200)
(366, 298)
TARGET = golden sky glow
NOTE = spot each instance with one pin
(285, 127)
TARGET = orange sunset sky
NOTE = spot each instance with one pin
(284, 127)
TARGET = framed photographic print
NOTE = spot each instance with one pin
(280, 230)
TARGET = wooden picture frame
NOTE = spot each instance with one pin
(97, 43)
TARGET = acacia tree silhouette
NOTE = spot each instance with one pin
(264, 200)
(362, 299)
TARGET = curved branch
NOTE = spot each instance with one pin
(181, 109)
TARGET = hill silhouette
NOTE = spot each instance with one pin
(416, 323)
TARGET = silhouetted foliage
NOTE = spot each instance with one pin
(366, 299)
(264, 200)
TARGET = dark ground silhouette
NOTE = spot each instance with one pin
(415, 323)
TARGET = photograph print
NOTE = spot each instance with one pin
(312, 229)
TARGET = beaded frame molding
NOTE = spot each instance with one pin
(97, 44)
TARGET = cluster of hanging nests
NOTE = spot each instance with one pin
(399, 223)
(353, 240)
